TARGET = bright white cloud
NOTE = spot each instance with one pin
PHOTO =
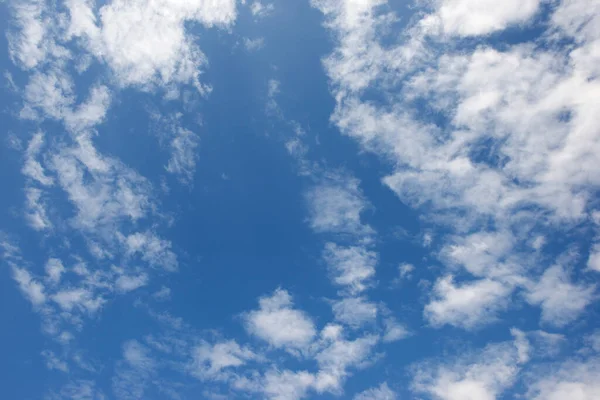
(468, 305)
(146, 43)
(279, 324)
(576, 380)
(482, 376)
(480, 17)
(561, 300)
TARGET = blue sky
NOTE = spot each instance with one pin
(317, 199)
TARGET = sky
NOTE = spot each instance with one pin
(308, 199)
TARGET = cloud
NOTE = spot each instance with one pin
(32, 167)
(260, 10)
(31, 43)
(473, 17)
(381, 392)
(570, 380)
(468, 305)
(352, 267)
(561, 300)
(78, 298)
(354, 311)
(279, 324)
(394, 331)
(31, 289)
(481, 376)
(146, 44)
(512, 146)
(152, 249)
(254, 44)
(128, 283)
(335, 206)
(183, 155)
(211, 360)
(134, 371)
(36, 214)
(103, 191)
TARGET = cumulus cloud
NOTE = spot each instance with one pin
(561, 300)
(571, 379)
(513, 148)
(481, 376)
(146, 44)
(279, 324)
(468, 305)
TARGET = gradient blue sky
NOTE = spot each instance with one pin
(315, 199)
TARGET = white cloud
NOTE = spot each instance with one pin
(593, 262)
(164, 293)
(394, 331)
(287, 385)
(482, 376)
(210, 360)
(576, 380)
(335, 206)
(351, 267)
(480, 17)
(468, 305)
(78, 299)
(32, 167)
(382, 392)
(36, 214)
(146, 44)
(103, 191)
(516, 147)
(33, 290)
(54, 270)
(279, 324)
(561, 300)
(354, 311)
(152, 249)
(338, 356)
(405, 270)
(32, 42)
(183, 154)
(128, 283)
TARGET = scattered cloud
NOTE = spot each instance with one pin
(279, 324)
